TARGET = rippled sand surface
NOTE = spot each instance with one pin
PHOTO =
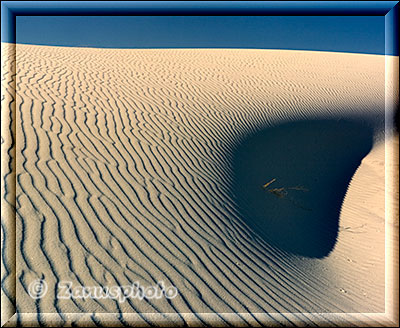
(123, 168)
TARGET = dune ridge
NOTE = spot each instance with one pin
(123, 168)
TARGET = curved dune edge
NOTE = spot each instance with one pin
(122, 168)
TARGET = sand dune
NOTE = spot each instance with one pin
(125, 171)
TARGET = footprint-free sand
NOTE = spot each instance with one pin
(133, 165)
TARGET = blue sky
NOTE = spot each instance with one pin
(359, 34)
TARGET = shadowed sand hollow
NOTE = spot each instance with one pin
(290, 181)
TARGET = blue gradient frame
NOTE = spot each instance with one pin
(389, 9)
(391, 31)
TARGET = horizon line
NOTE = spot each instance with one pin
(183, 47)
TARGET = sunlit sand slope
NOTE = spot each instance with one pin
(124, 174)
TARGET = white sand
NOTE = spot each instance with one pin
(123, 174)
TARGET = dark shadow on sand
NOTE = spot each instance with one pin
(312, 163)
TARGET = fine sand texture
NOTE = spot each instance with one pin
(251, 180)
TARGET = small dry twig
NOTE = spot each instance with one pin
(282, 192)
(279, 192)
(299, 188)
(268, 183)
